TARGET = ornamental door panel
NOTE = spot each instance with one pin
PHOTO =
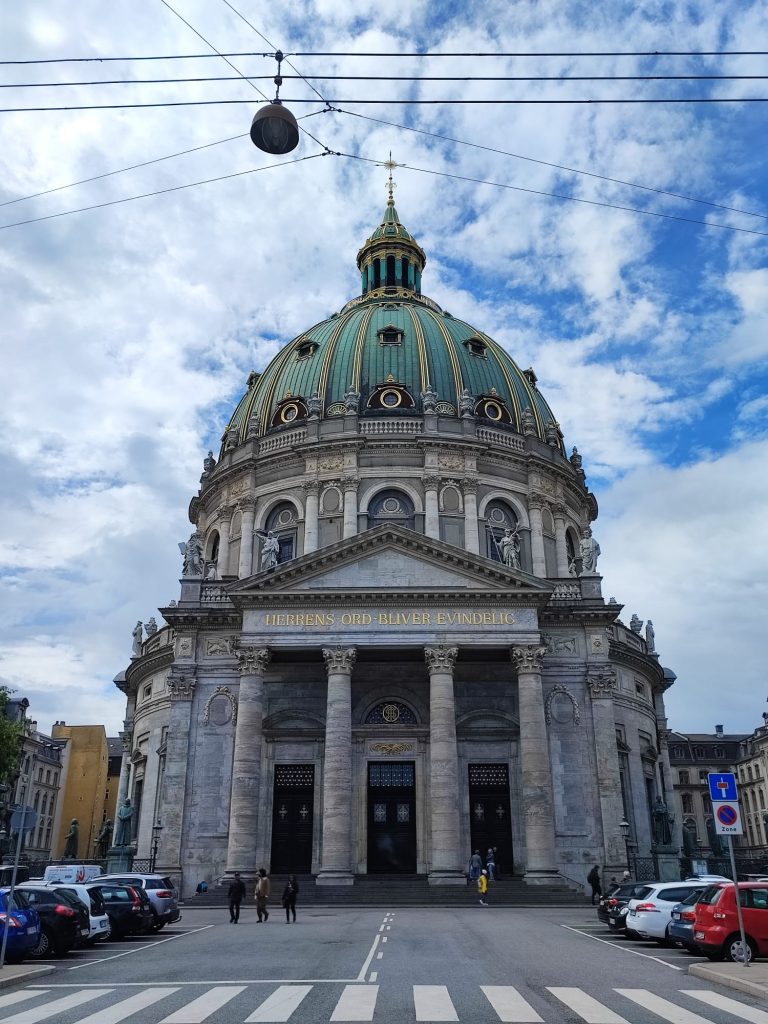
(292, 819)
(490, 813)
(391, 817)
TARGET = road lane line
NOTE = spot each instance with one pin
(357, 1003)
(661, 1007)
(621, 949)
(367, 963)
(139, 949)
(379, 956)
(201, 1008)
(278, 1007)
(373, 976)
(592, 1011)
(384, 938)
(750, 1013)
(433, 1003)
(56, 1007)
(19, 997)
(509, 1005)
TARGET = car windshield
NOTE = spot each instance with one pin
(711, 894)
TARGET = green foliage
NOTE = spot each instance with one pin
(11, 734)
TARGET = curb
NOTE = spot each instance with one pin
(736, 981)
(18, 975)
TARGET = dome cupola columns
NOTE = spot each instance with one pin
(391, 261)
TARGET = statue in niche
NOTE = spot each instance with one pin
(635, 623)
(138, 636)
(270, 551)
(662, 823)
(650, 637)
(150, 626)
(589, 550)
(428, 399)
(352, 399)
(193, 555)
(466, 403)
(124, 831)
(509, 547)
(72, 840)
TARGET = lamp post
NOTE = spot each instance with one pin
(157, 828)
(624, 827)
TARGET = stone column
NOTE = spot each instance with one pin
(350, 484)
(225, 522)
(246, 763)
(538, 806)
(245, 567)
(431, 506)
(181, 690)
(602, 686)
(535, 506)
(311, 508)
(446, 857)
(471, 530)
(560, 546)
(336, 858)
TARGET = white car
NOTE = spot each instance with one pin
(99, 922)
(649, 917)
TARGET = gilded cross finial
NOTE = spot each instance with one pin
(390, 184)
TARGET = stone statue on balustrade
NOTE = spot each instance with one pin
(270, 550)
(589, 550)
(150, 626)
(352, 399)
(650, 637)
(635, 623)
(193, 555)
(138, 636)
(314, 406)
(466, 403)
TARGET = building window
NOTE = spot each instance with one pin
(677, 752)
(703, 777)
(476, 347)
(749, 773)
(147, 692)
(390, 712)
(706, 803)
(391, 507)
(687, 801)
(282, 521)
(761, 795)
(684, 778)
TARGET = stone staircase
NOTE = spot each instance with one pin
(404, 891)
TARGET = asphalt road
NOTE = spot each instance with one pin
(478, 965)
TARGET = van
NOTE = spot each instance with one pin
(71, 872)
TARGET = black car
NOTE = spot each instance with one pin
(127, 907)
(614, 905)
(64, 921)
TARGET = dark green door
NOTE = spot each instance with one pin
(292, 818)
(489, 813)
(391, 817)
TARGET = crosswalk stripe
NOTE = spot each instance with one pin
(201, 1008)
(750, 1013)
(19, 997)
(509, 1005)
(57, 1006)
(592, 1011)
(357, 1003)
(127, 1007)
(661, 1007)
(433, 1003)
(280, 1005)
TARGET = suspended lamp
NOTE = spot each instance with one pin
(274, 129)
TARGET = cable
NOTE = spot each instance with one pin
(160, 192)
(557, 195)
(547, 163)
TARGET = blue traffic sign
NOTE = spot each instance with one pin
(722, 786)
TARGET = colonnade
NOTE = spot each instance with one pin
(447, 859)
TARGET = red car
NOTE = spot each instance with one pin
(716, 928)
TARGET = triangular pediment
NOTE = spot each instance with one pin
(391, 558)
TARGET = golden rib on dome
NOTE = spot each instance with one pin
(451, 350)
(421, 348)
(357, 362)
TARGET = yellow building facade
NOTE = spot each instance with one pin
(86, 793)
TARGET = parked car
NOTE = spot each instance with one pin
(127, 907)
(161, 891)
(707, 878)
(23, 924)
(64, 921)
(716, 928)
(612, 909)
(681, 922)
(648, 917)
(93, 903)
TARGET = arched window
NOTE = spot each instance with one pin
(282, 521)
(684, 777)
(404, 270)
(498, 518)
(391, 506)
(390, 271)
(390, 712)
(571, 553)
(687, 803)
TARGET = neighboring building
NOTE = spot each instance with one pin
(114, 764)
(752, 770)
(85, 785)
(391, 645)
(39, 786)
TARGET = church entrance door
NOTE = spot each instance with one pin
(489, 813)
(391, 817)
(292, 814)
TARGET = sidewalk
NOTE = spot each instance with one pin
(17, 974)
(752, 980)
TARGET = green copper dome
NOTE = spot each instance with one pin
(396, 353)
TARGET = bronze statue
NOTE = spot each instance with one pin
(73, 836)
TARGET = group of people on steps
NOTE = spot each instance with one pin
(262, 892)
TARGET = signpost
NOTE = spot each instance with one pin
(727, 814)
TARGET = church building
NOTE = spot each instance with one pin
(390, 646)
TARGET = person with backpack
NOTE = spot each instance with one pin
(236, 895)
(594, 880)
(290, 892)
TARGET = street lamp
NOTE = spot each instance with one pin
(625, 827)
(157, 828)
(274, 129)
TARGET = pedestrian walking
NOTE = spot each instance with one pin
(475, 866)
(482, 887)
(236, 896)
(594, 880)
(626, 877)
(490, 863)
(290, 892)
(262, 895)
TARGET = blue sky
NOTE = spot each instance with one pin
(130, 330)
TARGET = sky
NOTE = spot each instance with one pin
(128, 331)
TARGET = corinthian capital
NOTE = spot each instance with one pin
(431, 481)
(601, 681)
(311, 486)
(252, 661)
(181, 686)
(441, 659)
(528, 658)
(339, 659)
(350, 483)
(470, 484)
(246, 505)
(537, 500)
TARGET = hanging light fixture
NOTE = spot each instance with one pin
(274, 129)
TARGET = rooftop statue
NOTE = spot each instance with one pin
(138, 636)
(193, 555)
(509, 548)
(589, 550)
(270, 551)
(635, 623)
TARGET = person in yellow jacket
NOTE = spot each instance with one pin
(482, 887)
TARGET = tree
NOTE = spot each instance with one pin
(11, 738)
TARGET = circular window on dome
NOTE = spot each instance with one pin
(289, 412)
(493, 411)
(391, 398)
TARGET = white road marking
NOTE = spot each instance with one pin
(622, 949)
(367, 963)
(379, 956)
(510, 1005)
(19, 997)
(750, 1013)
(127, 1007)
(373, 976)
(389, 927)
(588, 1008)
(280, 1005)
(357, 1003)
(661, 1007)
(433, 1003)
(139, 949)
(385, 938)
(382, 928)
(56, 1007)
(201, 1008)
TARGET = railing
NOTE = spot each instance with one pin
(566, 592)
(391, 426)
(211, 593)
(278, 441)
(501, 437)
(162, 638)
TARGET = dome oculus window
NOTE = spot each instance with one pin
(306, 349)
(492, 407)
(391, 395)
(391, 507)
(289, 410)
(476, 347)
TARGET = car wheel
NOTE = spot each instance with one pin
(157, 924)
(44, 946)
(732, 949)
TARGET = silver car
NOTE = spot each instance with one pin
(161, 891)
